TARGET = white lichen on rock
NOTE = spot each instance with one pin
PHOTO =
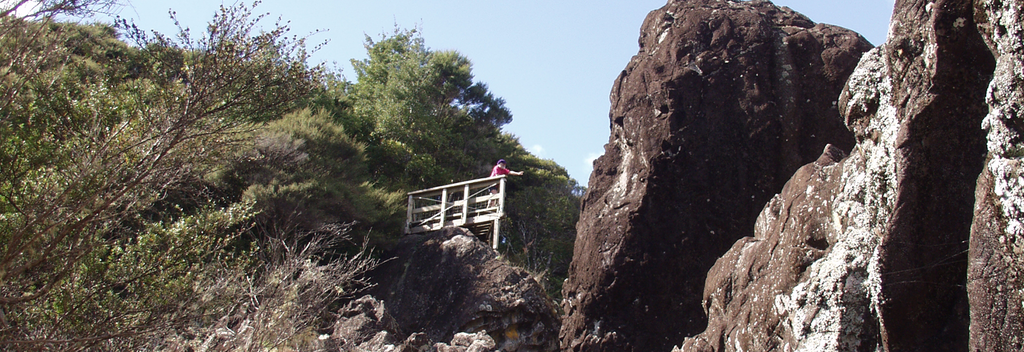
(460, 245)
(826, 311)
(1005, 144)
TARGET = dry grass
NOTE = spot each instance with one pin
(280, 307)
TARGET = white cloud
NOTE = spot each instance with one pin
(536, 149)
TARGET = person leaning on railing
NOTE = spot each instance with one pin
(498, 170)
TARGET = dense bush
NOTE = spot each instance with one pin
(108, 224)
(202, 192)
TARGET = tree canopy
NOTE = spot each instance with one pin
(423, 118)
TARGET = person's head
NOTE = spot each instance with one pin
(501, 162)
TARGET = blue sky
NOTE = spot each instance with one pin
(553, 61)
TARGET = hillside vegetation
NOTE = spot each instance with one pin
(214, 190)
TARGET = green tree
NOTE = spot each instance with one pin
(423, 119)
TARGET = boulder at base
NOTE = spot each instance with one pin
(448, 282)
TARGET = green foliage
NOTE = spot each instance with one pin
(304, 173)
(134, 285)
(235, 69)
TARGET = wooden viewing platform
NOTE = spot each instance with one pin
(468, 204)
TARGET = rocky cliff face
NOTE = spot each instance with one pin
(902, 212)
(995, 283)
(724, 101)
(914, 240)
(447, 286)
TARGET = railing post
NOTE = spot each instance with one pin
(444, 206)
(465, 204)
(408, 214)
(497, 230)
(501, 196)
(501, 213)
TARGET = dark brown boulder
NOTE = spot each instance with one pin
(448, 282)
(809, 278)
(995, 280)
(724, 101)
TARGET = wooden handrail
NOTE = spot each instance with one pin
(458, 204)
(438, 188)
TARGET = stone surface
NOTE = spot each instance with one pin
(995, 282)
(448, 282)
(723, 102)
(466, 342)
(752, 293)
(939, 68)
(895, 215)
(365, 325)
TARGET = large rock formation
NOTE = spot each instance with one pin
(870, 253)
(445, 283)
(724, 101)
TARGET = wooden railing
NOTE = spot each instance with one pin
(468, 204)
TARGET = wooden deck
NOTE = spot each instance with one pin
(468, 204)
